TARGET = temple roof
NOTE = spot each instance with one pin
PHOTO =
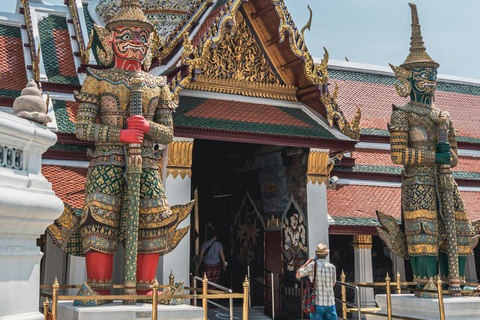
(263, 121)
(68, 183)
(356, 205)
(13, 77)
(375, 93)
(375, 178)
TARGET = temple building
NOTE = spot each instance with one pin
(281, 150)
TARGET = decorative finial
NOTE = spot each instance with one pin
(418, 57)
(30, 105)
(309, 23)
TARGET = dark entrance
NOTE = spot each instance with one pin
(223, 172)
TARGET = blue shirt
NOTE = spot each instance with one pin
(213, 255)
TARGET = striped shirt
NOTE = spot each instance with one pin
(326, 273)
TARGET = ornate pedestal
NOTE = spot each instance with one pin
(27, 206)
(118, 311)
(465, 308)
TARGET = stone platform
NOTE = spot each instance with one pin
(407, 305)
(118, 311)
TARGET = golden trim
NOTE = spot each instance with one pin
(316, 73)
(318, 167)
(84, 50)
(214, 35)
(335, 115)
(238, 66)
(245, 88)
(35, 56)
(174, 38)
(272, 223)
(180, 159)
(361, 241)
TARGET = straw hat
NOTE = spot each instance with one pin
(322, 249)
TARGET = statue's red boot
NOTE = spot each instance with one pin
(99, 271)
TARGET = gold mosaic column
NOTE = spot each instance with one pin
(362, 241)
(317, 209)
(180, 159)
(178, 189)
(318, 167)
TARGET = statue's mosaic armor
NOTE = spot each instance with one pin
(413, 139)
(104, 109)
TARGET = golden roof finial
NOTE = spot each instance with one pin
(130, 14)
(418, 57)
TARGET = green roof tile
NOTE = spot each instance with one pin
(49, 51)
(10, 31)
(188, 104)
(70, 147)
(355, 221)
(390, 80)
(63, 118)
(398, 170)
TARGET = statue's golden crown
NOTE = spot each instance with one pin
(418, 57)
(129, 14)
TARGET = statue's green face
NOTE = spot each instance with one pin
(424, 81)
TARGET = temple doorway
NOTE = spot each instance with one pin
(227, 180)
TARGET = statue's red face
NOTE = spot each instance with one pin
(130, 43)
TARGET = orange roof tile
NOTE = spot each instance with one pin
(68, 183)
(375, 101)
(64, 53)
(382, 158)
(12, 64)
(363, 201)
(248, 112)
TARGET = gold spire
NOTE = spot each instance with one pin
(130, 14)
(418, 57)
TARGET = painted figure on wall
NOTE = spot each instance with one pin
(294, 246)
(295, 236)
(248, 228)
(423, 140)
(125, 110)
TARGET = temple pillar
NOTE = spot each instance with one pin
(178, 182)
(362, 245)
(470, 270)
(317, 213)
(27, 206)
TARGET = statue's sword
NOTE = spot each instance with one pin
(133, 175)
(446, 184)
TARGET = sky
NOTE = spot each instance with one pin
(378, 32)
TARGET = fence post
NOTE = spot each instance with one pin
(171, 278)
(46, 304)
(155, 299)
(55, 298)
(440, 298)
(246, 286)
(389, 298)
(399, 288)
(204, 300)
(344, 296)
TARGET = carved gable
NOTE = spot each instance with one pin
(237, 65)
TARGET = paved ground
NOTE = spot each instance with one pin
(220, 314)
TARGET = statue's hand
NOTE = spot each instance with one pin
(442, 158)
(443, 147)
(138, 122)
(131, 136)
